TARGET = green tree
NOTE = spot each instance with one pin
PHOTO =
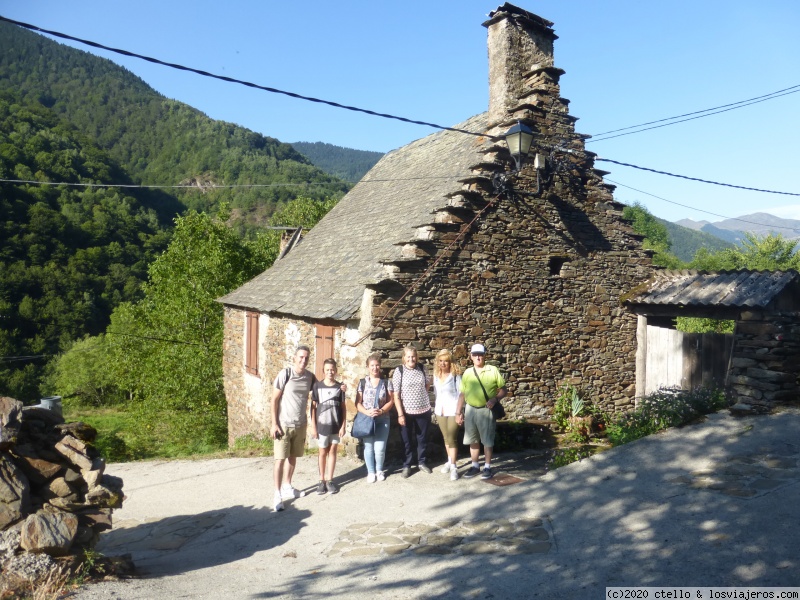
(85, 374)
(169, 345)
(656, 236)
(759, 253)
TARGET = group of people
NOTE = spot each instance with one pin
(462, 399)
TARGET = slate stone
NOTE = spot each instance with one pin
(384, 539)
(60, 488)
(108, 493)
(98, 519)
(75, 452)
(478, 548)
(48, 417)
(396, 549)
(38, 470)
(51, 533)
(79, 430)
(10, 412)
(14, 492)
(73, 476)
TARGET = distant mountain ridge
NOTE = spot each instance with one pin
(686, 241)
(733, 230)
(346, 163)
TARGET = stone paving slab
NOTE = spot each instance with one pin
(522, 535)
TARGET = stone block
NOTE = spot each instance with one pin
(51, 533)
(766, 375)
(75, 452)
(10, 412)
(14, 492)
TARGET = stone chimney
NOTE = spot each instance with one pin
(519, 43)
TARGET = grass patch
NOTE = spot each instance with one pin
(114, 425)
(124, 435)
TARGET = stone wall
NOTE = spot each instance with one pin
(248, 396)
(54, 495)
(766, 359)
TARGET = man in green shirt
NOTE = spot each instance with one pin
(482, 386)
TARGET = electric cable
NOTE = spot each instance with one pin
(708, 212)
(730, 185)
(205, 188)
(776, 94)
(233, 80)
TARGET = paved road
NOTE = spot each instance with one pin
(712, 504)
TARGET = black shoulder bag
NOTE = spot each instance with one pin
(498, 412)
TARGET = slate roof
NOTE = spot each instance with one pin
(731, 289)
(325, 275)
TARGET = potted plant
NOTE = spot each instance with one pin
(579, 423)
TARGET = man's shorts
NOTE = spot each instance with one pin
(323, 441)
(292, 444)
(479, 426)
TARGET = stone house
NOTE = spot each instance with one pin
(443, 244)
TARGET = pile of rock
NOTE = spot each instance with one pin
(54, 497)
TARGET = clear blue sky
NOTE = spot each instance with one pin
(626, 62)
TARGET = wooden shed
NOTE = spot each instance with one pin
(758, 362)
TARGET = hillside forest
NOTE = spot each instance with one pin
(108, 289)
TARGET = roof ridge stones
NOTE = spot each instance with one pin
(397, 204)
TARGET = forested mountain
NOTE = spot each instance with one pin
(68, 255)
(686, 242)
(345, 163)
(157, 140)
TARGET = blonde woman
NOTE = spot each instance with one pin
(446, 384)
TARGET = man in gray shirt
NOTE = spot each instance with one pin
(289, 421)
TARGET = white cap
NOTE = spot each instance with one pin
(477, 349)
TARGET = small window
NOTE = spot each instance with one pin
(556, 262)
(251, 343)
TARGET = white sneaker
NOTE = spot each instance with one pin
(453, 473)
(381, 475)
(446, 467)
(371, 478)
(290, 493)
(277, 502)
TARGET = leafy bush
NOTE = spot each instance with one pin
(668, 407)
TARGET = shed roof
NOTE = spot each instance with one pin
(729, 289)
(325, 275)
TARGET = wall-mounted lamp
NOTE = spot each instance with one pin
(519, 139)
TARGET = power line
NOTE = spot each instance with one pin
(232, 80)
(741, 104)
(228, 186)
(785, 91)
(730, 185)
(708, 212)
